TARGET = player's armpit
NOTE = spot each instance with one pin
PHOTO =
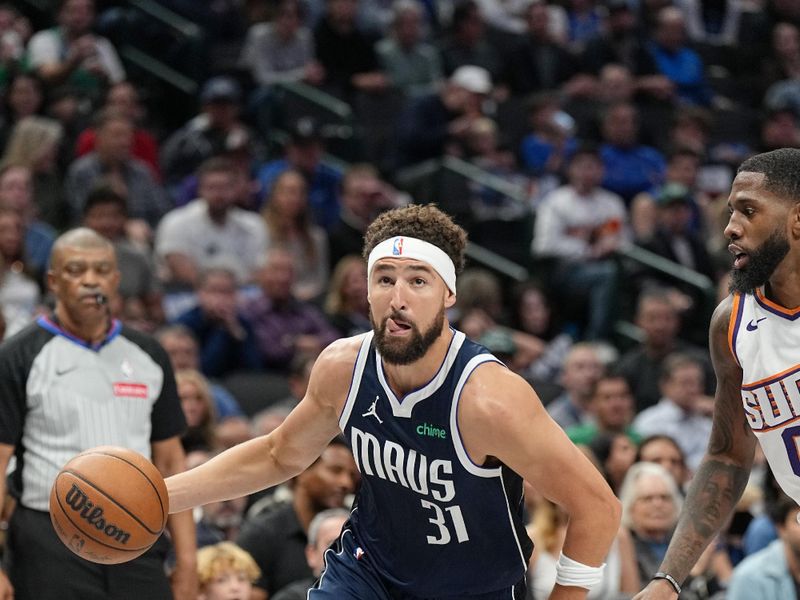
(723, 474)
(500, 416)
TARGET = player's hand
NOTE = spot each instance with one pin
(184, 583)
(658, 589)
(6, 589)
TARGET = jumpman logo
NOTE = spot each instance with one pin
(372, 412)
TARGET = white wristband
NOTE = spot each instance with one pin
(572, 573)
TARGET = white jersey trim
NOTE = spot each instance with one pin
(458, 443)
(355, 382)
(406, 407)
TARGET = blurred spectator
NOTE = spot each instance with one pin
(673, 237)
(547, 529)
(783, 63)
(278, 536)
(284, 325)
(282, 50)
(540, 62)
(481, 316)
(113, 160)
(612, 408)
(198, 407)
(16, 193)
(581, 371)
(665, 451)
(411, 65)
(364, 195)
(225, 571)
(780, 128)
(622, 42)
(303, 153)
(218, 521)
(123, 98)
(289, 226)
(774, 572)
(19, 293)
(584, 22)
(466, 42)
(216, 128)
(71, 52)
(486, 150)
(677, 61)
(297, 380)
(535, 316)
(439, 123)
(651, 503)
(615, 452)
(630, 167)
(24, 97)
(211, 229)
(347, 305)
(682, 412)
(659, 320)
(105, 211)
(12, 42)
(324, 530)
(226, 338)
(714, 22)
(346, 52)
(579, 226)
(184, 353)
(34, 144)
(507, 16)
(546, 149)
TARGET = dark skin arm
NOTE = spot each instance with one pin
(722, 475)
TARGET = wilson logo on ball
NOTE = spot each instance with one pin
(79, 502)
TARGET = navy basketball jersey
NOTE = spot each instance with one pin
(430, 520)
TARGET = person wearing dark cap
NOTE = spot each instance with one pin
(303, 152)
(674, 238)
(208, 133)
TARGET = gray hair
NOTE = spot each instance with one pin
(628, 492)
(319, 520)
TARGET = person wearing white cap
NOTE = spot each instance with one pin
(443, 434)
(439, 123)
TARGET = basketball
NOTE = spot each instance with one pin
(109, 505)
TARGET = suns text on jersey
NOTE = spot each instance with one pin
(772, 402)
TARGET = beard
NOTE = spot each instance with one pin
(761, 264)
(400, 352)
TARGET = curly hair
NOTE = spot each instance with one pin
(425, 222)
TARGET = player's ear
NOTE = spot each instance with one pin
(450, 299)
(795, 220)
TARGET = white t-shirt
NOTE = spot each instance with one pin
(48, 47)
(239, 243)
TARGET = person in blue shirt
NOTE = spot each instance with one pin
(774, 572)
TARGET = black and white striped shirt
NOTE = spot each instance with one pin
(60, 395)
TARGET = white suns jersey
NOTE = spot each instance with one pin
(765, 340)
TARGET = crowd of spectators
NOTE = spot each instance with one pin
(591, 126)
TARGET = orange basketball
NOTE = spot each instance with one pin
(109, 505)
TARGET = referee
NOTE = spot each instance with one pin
(68, 382)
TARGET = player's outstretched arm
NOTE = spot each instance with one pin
(269, 460)
(501, 416)
(723, 473)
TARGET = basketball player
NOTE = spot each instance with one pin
(443, 435)
(71, 381)
(755, 347)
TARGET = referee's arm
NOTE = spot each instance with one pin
(6, 452)
(169, 458)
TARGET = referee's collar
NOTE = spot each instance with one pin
(51, 324)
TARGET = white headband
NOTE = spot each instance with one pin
(416, 249)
